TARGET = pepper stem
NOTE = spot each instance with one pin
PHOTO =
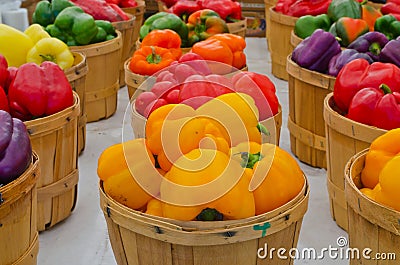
(249, 160)
(385, 88)
(153, 58)
(375, 48)
(262, 129)
(48, 57)
(210, 214)
(364, 2)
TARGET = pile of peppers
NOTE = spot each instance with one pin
(298, 8)
(379, 176)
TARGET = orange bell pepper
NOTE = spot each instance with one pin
(165, 38)
(370, 14)
(237, 44)
(389, 181)
(148, 60)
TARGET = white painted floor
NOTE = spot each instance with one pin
(82, 239)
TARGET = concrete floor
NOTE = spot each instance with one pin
(82, 238)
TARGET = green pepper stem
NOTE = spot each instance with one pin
(364, 2)
(262, 129)
(153, 58)
(375, 48)
(48, 57)
(385, 88)
(210, 214)
(249, 160)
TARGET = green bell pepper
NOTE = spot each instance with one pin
(164, 20)
(388, 25)
(344, 8)
(76, 25)
(106, 31)
(306, 25)
(45, 12)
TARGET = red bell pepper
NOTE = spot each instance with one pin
(282, 6)
(12, 71)
(228, 10)
(391, 7)
(359, 74)
(376, 107)
(304, 7)
(101, 10)
(261, 89)
(3, 100)
(128, 3)
(39, 91)
(169, 3)
(3, 71)
(184, 9)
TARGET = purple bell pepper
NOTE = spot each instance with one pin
(345, 56)
(370, 43)
(391, 52)
(15, 148)
(315, 51)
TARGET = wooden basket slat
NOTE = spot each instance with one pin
(238, 28)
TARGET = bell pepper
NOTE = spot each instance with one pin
(370, 43)
(15, 148)
(261, 89)
(315, 52)
(36, 32)
(154, 207)
(282, 6)
(14, 45)
(38, 91)
(189, 189)
(344, 8)
(73, 26)
(53, 50)
(382, 149)
(3, 100)
(169, 3)
(345, 56)
(105, 31)
(359, 74)
(349, 29)
(390, 53)
(184, 9)
(128, 3)
(123, 174)
(101, 10)
(306, 25)
(12, 71)
(45, 11)
(228, 10)
(370, 15)
(301, 8)
(389, 26)
(165, 38)
(391, 7)
(4, 74)
(164, 20)
(148, 60)
(276, 176)
(203, 24)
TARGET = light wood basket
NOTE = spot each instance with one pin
(294, 39)
(371, 225)
(136, 82)
(102, 80)
(307, 91)
(344, 139)
(76, 76)
(126, 28)
(280, 29)
(268, 4)
(273, 125)
(138, 12)
(30, 5)
(55, 140)
(141, 239)
(19, 244)
(238, 28)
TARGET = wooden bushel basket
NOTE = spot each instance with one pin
(294, 39)
(307, 91)
(138, 12)
(76, 76)
(55, 140)
(19, 244)
(134, 81)
(142, 239)
(280, 29)
(344, 139)
(30, 5)
(238, 28)
(371, 225)
(102, 80)
(273, 125)
(268, 4)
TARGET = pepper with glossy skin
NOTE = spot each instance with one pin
(349, 29)
(46, 11)
(282, 6)
(118, 172)
(15, 148)
(391, 7)
(370, 43)
(344, 8)
(197, 195)
(48, 94)
(345, 56)
(36, 32)
(164, 20)
(148, 60)
(276, 176)
(14, 45)
(370, 15)
(306, 25)
(390, 53)
(228, 10)
(315, 52)
(4, 74)
(359, 74)
(105, 31)
(165, 38)
(389, 26)
(3, 100)
(382, 149)
(101, 10)
(73, 26)
(389, 182)
(301, 8)
(203, 24)
(184, 9)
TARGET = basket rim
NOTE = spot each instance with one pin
(77, 70)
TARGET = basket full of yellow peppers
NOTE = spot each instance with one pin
(201, 178)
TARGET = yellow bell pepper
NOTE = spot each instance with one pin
(36, 32)
(14, 45)
(154, 207)
(382, 149)
(206, 185)
(276, 176)
(51, 49)
(125, 170)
